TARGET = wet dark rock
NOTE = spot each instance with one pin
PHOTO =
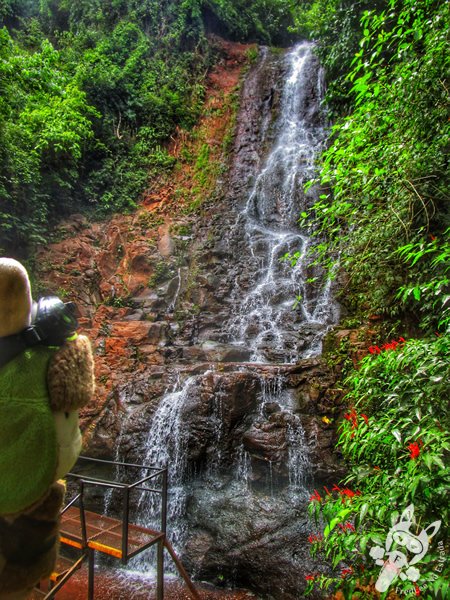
(251, 539)
(267, 441)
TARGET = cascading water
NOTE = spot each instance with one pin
(269, 221)
(166, 445)
(241, 449)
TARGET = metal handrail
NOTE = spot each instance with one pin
(71, 503)
(99, 482)
(67, 575)
(159, 537)
(84, 480)
(122, 464)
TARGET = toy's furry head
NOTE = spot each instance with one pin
(15, 297)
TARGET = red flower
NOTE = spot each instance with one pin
(352, 417)
(309, 577)
(315, 496)
(365, 417)
(387, 346)
(390, 345)
(327, 490)
(346, 572)
(414, 450)
(346, 492)
(346, 526)
(417, 588)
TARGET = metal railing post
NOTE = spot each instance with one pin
(164, 502)
(91, 573)
(82, 515)
(160, 570)
(125, 519)
(161, 542)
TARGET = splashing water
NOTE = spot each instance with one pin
(166, 446)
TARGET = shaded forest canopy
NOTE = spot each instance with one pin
(92, 91)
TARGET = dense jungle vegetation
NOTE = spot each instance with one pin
(92, 90)
(383, 221)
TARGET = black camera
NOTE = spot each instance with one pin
(52, 323)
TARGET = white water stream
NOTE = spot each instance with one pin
(261, 313)
(269, 220)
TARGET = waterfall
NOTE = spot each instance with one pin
(166, 445)
(257, 456)
(269, 222)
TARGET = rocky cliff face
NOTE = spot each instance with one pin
(180, 379)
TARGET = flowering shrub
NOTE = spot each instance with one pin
(388, 346)
(395, 441)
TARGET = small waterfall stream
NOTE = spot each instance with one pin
(269, 221)
(239, 468)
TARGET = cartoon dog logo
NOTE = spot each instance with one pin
(400, 536)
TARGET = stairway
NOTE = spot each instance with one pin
(89, 532)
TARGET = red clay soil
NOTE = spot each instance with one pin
(94, 263)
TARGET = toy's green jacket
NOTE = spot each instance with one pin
(28, 439)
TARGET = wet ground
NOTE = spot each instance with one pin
(114, 585)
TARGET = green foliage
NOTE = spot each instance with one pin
(202, 164)
(85, 125)
(86, 117)
(396, 443)
(429, 287)
(46, 123)
(384, 175)
(336, 26)
(383, 219)
(265, 21)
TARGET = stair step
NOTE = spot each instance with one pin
(62, 566)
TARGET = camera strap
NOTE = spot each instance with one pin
(13, 345)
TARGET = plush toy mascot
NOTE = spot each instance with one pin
(46, 375)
